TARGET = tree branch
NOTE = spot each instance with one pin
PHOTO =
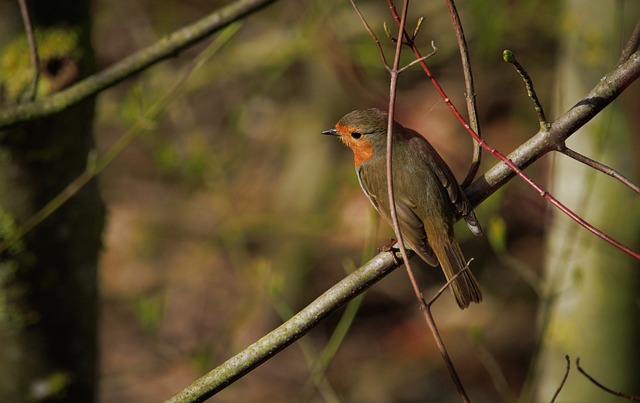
(169, 46)
(605, 92)
(290, 331)
(233, 369)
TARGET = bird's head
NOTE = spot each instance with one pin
(364, 132)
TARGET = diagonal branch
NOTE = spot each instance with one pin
(290, 331)
(564, 379)
(382, 264)
(167, 47)
(553, 139)
(605, 92)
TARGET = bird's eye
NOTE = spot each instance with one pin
(356, 135)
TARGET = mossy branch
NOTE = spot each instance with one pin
(167, 47)
(290, 331)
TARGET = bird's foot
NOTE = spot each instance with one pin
(389, 248)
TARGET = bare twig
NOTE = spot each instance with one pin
(624, 395)
(449, 282)
(553, 139)
(605, 92)
(470, 93)
(234, 368)
(541, 144)
(393, 72)
(33, 47)
(632, 45)
(564, 379)
(509, 57)
(372, 34)
(423, 58)
(599, 166)
(546, 195)
(426, 309)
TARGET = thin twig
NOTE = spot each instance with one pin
(372, 34)
(607, 89)
(389, 161)
(545, 140)
(426, 309)
(606, 389)
(423, 58)
(546, 195)
(599, 166)
(33, 47)
(470, 93)
(449, 282)
(564, 379)
(509, 57)
(632, 45)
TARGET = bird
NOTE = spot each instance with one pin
(427, 196)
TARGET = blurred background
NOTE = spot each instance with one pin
(232, 211)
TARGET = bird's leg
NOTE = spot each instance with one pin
(389, 248)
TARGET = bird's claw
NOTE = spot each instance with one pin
(389, 248)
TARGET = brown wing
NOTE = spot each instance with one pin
(411, 225)
(459, 201)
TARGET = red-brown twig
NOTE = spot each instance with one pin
(543, 193)
(394, 71)
(509, 57)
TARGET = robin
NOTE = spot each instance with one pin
(428, 198)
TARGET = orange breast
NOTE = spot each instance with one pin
(362, 151)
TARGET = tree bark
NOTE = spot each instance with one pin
(48, 288)
(591, 308)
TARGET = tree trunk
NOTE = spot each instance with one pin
(591, 309)
(48, 288)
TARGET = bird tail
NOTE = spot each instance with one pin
(465, 287)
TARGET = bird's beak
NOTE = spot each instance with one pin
(332, 132)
